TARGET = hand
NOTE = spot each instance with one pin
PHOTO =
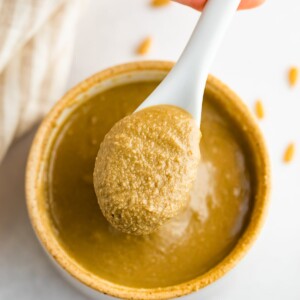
(199, 4)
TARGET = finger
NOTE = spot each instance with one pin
(246, 4)
(199, 4)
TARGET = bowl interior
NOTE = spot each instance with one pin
(225, 99)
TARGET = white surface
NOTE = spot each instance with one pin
(253, 60)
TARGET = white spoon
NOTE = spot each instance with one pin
(184, 85)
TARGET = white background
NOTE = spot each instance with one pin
(253, 60)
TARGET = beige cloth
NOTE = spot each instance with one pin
(36, 41)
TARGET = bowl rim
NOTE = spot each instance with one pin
(51, 244)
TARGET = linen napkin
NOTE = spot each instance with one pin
(36, 42)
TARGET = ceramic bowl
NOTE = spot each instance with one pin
(132, 72)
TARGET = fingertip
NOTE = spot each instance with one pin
(196, 4)
(199, 4)
(248, 4)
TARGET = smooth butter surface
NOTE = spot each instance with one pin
(184, 248)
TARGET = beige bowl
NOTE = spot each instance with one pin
(131, 72)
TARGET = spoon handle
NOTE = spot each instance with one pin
(184, 85)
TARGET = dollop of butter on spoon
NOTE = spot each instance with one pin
(145, 168)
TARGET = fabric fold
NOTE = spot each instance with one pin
(36, 44)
